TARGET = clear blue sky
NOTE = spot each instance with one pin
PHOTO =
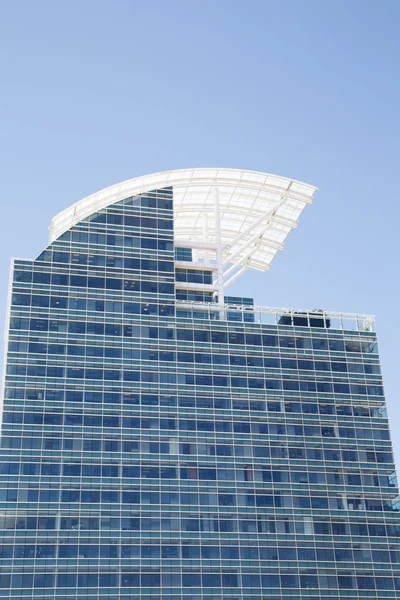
(94, 92)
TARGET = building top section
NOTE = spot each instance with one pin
(232, 219)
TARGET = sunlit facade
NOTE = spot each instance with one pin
(164, 440)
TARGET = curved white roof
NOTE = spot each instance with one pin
(246, 213)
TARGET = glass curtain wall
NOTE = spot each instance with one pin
(148, 453)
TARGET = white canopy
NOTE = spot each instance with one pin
(241, 217)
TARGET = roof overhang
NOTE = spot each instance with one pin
(255, 212)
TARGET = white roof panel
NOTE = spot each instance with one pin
(257, 210)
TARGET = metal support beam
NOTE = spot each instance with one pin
(253, 240)
(218, 252)
(205, 234)
(241, 261)
(267, 214)
(237, 274)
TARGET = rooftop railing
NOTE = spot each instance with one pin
(267, 315)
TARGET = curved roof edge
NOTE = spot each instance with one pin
(233, 220)
(233, 178)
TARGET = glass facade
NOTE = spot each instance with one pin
(155, 446)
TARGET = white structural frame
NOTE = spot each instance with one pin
(232, 219)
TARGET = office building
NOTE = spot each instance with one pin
(164, 440)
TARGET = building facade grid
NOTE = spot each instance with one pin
(154, 446)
